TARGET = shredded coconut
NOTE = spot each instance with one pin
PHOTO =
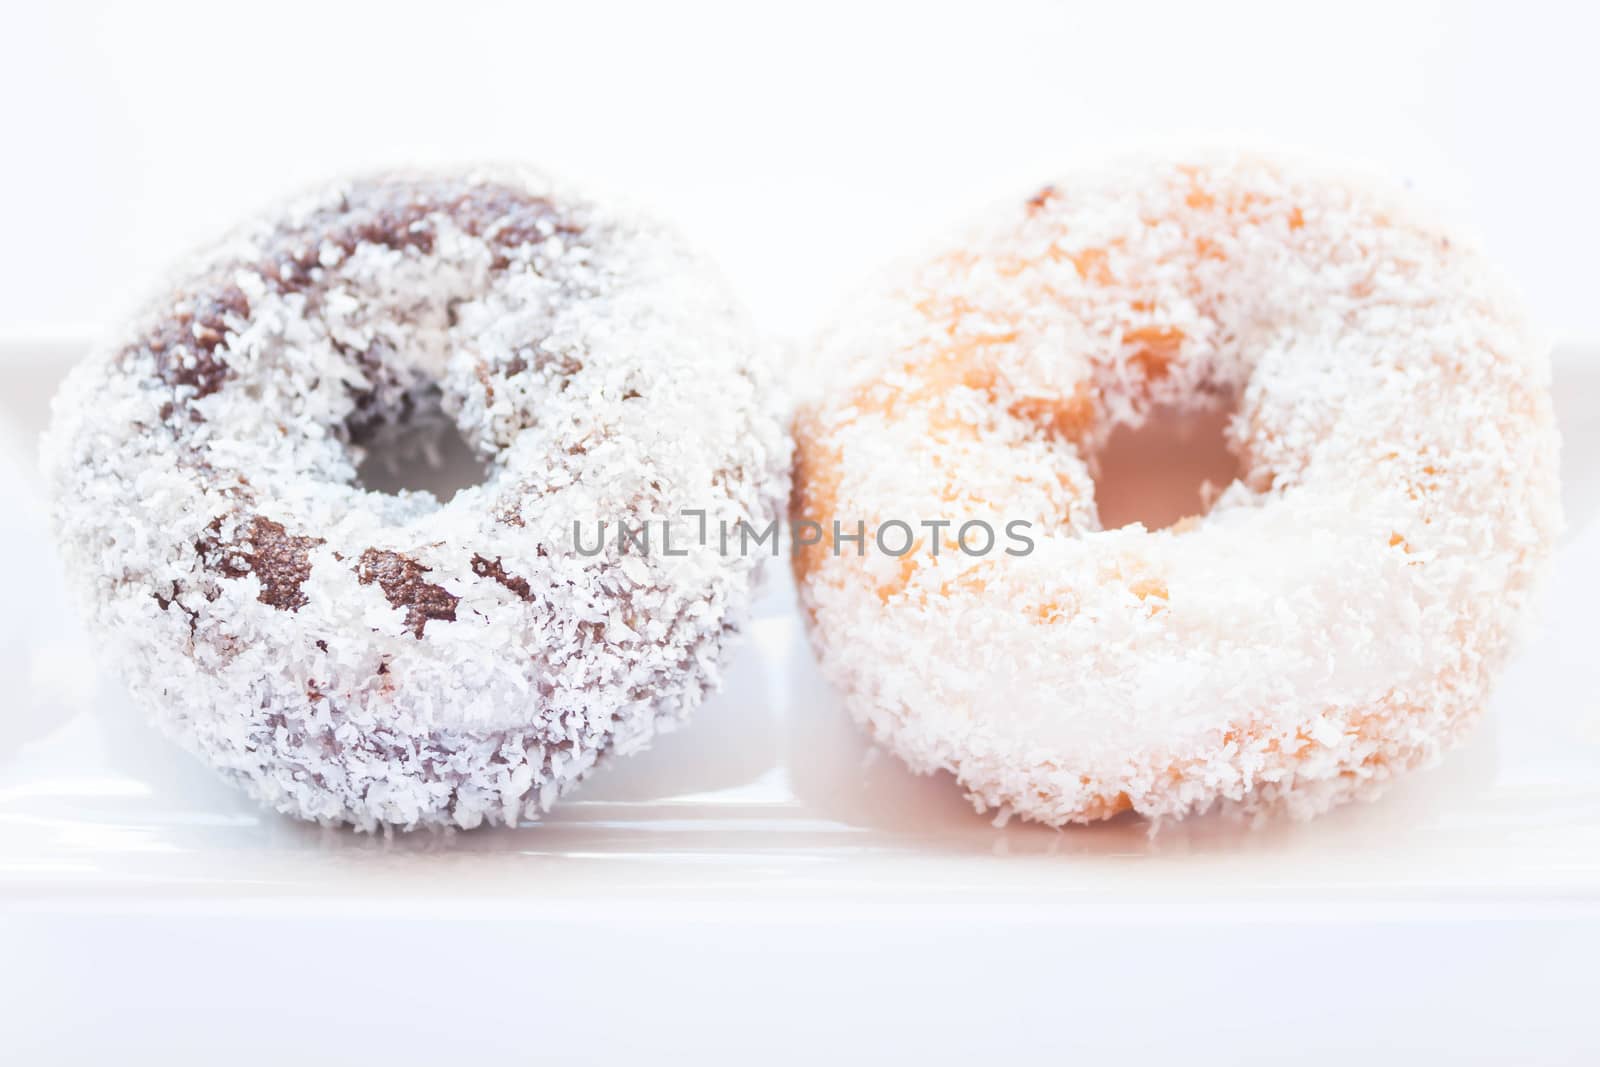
(352, 656)
(1339, 613)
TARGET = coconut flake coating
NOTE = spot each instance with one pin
(360, 657)
(1339, 613)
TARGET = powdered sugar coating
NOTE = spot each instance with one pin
(352, 656)
(1340, 612)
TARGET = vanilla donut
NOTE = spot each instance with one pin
(369, 658)
(1336, 616)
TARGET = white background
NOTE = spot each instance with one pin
(803, 144)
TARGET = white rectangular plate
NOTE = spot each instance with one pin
(763, 885)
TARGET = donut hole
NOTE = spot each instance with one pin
(417, 449)
(1169, 467)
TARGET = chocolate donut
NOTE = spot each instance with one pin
(395, 659)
